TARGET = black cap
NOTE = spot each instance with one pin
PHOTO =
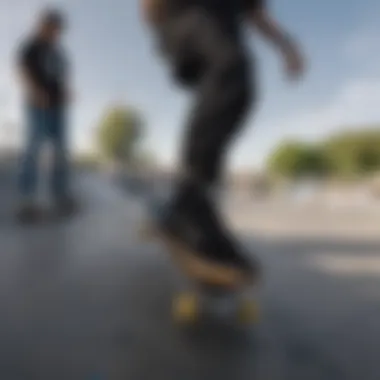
(54, 17)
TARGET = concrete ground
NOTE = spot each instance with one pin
(87, 300)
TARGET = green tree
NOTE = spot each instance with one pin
(119, 133)
(146, 159)
(294, 160)
(354, 153)
(345, 155)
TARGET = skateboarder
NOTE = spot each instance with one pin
(202, 42)
(43, 68)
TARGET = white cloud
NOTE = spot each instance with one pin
(362, 47)
(362, 42)
(356, 102)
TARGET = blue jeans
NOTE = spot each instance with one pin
(45, 125)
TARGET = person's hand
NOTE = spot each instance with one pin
(68, 96)
(41, 98)
(294, 61)
(273, 32)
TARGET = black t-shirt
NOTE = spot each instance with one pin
(253, 4)
(46, 64)
(228, 13)
(227, 8)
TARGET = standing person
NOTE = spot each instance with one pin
(44, 70)
(202, 42)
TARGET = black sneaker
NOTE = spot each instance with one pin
(66, 206)
(220, 246)
(28, 213)
(209, 257)
(230, 252)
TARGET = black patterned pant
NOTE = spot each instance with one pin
(210, 60)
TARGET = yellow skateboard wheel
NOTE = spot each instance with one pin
(248, 312)
(186, 308)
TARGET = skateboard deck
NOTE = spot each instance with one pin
(190, 306)
(201, 270)
(212, 288)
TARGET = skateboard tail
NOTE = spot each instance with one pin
(199, 269)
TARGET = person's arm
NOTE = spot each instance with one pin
(66, 76)
(152, 11)
(276, 35)
(28, 81)
(24, 63)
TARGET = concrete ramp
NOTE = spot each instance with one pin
(86, 300)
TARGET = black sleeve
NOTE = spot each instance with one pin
(66, 63)
(26, 55)
(252, 5)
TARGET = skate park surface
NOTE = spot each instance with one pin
(86, 299)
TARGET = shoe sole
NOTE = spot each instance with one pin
(43, 216)
(204, 271)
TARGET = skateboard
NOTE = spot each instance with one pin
(210, 300)
(43, 215)
(210, 292)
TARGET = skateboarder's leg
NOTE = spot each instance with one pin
(213, 64)
(217, 63)
(222, 102)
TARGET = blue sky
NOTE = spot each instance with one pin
(114, 60)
